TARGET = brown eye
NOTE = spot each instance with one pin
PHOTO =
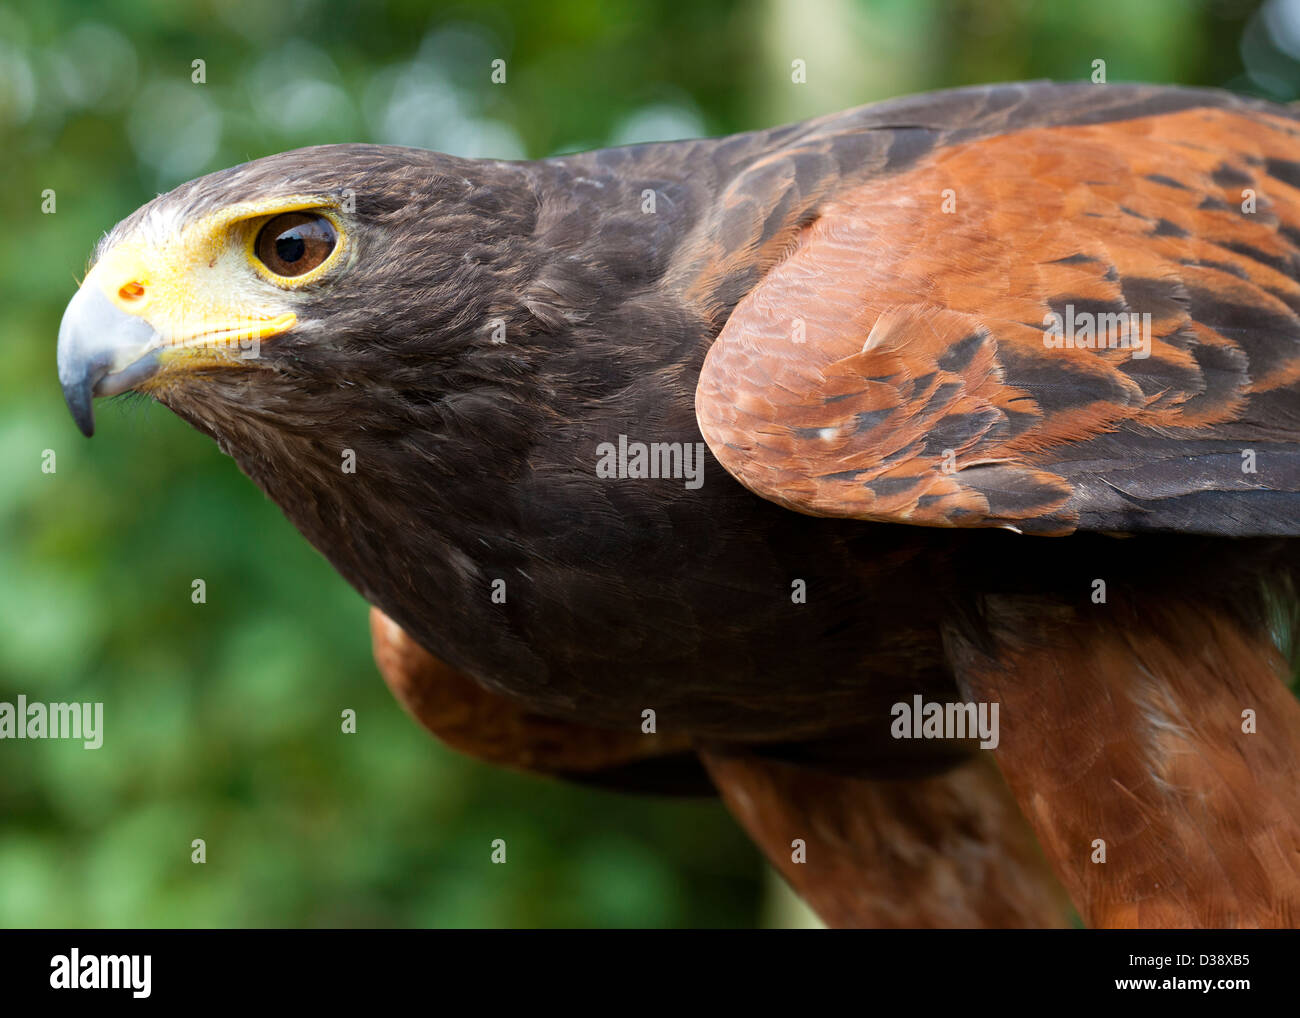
(295, 242)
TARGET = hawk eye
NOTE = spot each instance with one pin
(294, 243)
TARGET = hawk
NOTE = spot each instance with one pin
(768, 462)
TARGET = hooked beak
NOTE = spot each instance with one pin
(103, 350)
(118, 335)
(169, 304)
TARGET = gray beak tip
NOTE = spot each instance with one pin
(78, 399)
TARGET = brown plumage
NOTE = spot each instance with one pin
(855, 314)
(838, 385)
(950, 850)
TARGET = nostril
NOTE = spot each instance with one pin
(131, 291)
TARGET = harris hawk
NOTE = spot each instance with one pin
(984, 397)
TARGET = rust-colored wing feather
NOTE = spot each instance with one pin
(947, 851)
(1162, 783)
(482, 724)
(898, 364)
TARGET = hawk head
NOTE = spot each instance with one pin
(301, 288)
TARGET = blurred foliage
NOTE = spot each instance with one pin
(223, 718)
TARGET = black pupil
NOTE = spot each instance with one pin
(290, 246)
(295, 243)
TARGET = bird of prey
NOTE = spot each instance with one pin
(773, 461)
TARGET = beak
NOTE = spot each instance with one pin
(103, 350)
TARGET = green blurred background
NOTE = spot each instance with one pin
(222, 719)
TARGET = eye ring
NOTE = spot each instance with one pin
(292, 244)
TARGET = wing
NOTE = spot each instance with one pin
(1088, 326)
